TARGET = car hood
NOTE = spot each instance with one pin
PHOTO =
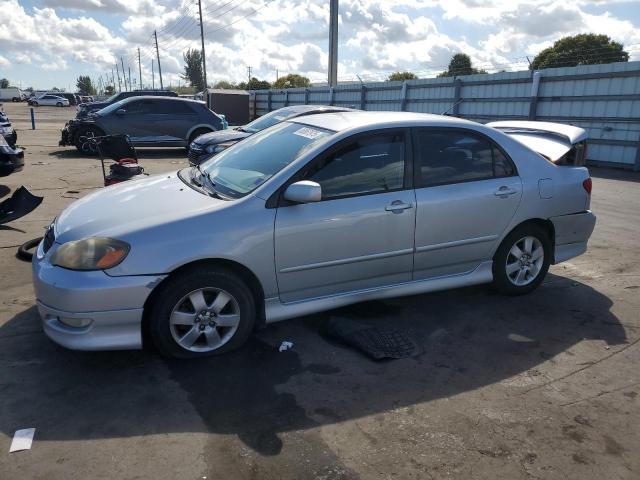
(133, 206)
(221, 136)
(94, 105)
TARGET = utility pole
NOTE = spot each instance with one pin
(333, 43)
(158, 55)
(249, 75)
(153, 77)
(139, 69)
(130, 79)
(118, 73)
(204, 61)
(124, 75)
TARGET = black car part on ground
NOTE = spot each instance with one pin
(25, 250)
(18, 205)
(376, 342)
(11, 159)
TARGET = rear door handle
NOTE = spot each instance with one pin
(397, 206)
(505, 191)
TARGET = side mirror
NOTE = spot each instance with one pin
(304, 191)
(121, 111)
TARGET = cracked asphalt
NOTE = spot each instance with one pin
(543, 386)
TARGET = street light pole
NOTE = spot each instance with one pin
(139, 69)
(333, 43)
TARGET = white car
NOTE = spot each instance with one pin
(52, 100)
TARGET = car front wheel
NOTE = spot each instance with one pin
(85, 141)
(59, 104)
(200, 312)
(522, 260)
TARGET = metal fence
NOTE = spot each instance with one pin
(602, 99)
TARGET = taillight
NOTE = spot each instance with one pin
(587, 185)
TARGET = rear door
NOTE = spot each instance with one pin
(467, 191)
(172, 121)
(360, 235)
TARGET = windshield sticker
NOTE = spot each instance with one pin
(308, 132)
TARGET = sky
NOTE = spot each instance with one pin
(47, 43)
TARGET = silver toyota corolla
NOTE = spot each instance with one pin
(308, 215)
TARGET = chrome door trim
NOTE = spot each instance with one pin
(343, 261)
(456, 243)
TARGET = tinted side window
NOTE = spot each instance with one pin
(140, 107)
(169, 107)
(456, 156)
(368, 165)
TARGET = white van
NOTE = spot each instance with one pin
(12, 93)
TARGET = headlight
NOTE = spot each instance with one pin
(91, 254)
(217, 148)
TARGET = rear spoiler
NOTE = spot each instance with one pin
(559, 143)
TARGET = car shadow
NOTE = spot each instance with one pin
(149, 153)
(259, 393)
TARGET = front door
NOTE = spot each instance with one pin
(361, 234)
(467, 191)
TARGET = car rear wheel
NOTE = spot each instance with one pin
(85, 142)
(201, 312)
(522, 260)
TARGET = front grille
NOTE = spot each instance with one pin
(194, 155)
(49, 238)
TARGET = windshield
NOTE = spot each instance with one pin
(111, 108)
(268, 120)
(245, 166)
(112, 98)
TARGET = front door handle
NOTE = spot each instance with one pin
(505, 191)
(397, 206)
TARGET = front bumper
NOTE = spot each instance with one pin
(111, 308)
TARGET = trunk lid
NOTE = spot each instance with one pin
(559, 143)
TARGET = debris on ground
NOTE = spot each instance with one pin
(285, 345)
(376, 342)
(22, 440)
(18, 205)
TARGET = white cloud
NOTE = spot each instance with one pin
(376, 36)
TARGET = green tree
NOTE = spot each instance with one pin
(225, 85)
(293, 80)
(4, 83)
(84, 85)
(460, 64)
(109, 90)
(400, 76)
(193, 68)
(254, 84)
(582, 49)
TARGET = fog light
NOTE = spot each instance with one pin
(75, 322)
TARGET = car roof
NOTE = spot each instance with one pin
(339, 121)
(156, 98)
(302, 109)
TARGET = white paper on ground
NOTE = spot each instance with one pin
(285, 345)
(22, 440)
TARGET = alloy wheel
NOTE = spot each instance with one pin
(524, 261)
(204, 319)
(87, 142)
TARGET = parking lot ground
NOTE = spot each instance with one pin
(544, 386)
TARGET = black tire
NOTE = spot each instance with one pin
(24, 250)
(59, 104)
(177, 287)
(196, 133)
(15, 99)
(501, 280)
(82, 142)
(34, 104)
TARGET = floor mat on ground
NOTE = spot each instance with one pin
(376, 342)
